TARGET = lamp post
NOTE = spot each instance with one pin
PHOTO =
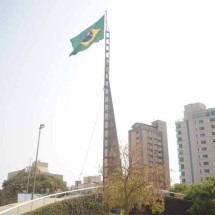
(29, 172)
(35, 167)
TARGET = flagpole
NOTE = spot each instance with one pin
(111, 155)
(104, 105)
(106, 73)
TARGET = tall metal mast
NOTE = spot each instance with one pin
(111, 155)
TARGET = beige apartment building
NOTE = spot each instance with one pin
(196, 143)
(151, 144)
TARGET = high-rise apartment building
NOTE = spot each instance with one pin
(196, 143)
(152, 145)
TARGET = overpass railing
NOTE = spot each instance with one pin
(40, 202)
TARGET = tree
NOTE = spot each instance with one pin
(18, 184)
(1, 198)
(180, 188)
(203, 197)
(131, 185)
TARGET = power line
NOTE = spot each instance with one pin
(91, 138)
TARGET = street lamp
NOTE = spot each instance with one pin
(35, 167)
(29, 172)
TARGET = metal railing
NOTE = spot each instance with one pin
(40, 202)
(46, 200)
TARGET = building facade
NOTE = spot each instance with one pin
(42, 167)
(88, 181)
(152, 145)
(92, 179)
(196, 143)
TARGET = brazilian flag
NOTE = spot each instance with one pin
(89, 36)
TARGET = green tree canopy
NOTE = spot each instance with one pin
(1, 198)
(203, 197)
(45, 183)
(180, 188)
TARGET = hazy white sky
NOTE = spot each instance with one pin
(162, 58)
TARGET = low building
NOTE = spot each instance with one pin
(42, 167)
(92, 179)
(88, 181)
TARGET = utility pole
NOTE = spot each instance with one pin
(35, 167)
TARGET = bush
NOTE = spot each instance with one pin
(84, 205)
(92, 205)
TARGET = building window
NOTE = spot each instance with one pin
(212, 126)
(204, 149)
(207, 170)
(178, 125)
(179, 132)
(182, 166)
(200, 121)
(106, 98)
(203, 141)
(202, 135)
(213, 140)
(149, 145)
(205, 156)
(213, 113)
(207, 114)
(183, 181)
(213, 133)
(106, 133)
(179, 138)
(106, 152)
(212, 119)
(180, 146)
(181, 159)
(182, 173)
(180, 152)
(201, 128)
(105, 162)
(206, 163)
(106, 115)
(106, 143)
